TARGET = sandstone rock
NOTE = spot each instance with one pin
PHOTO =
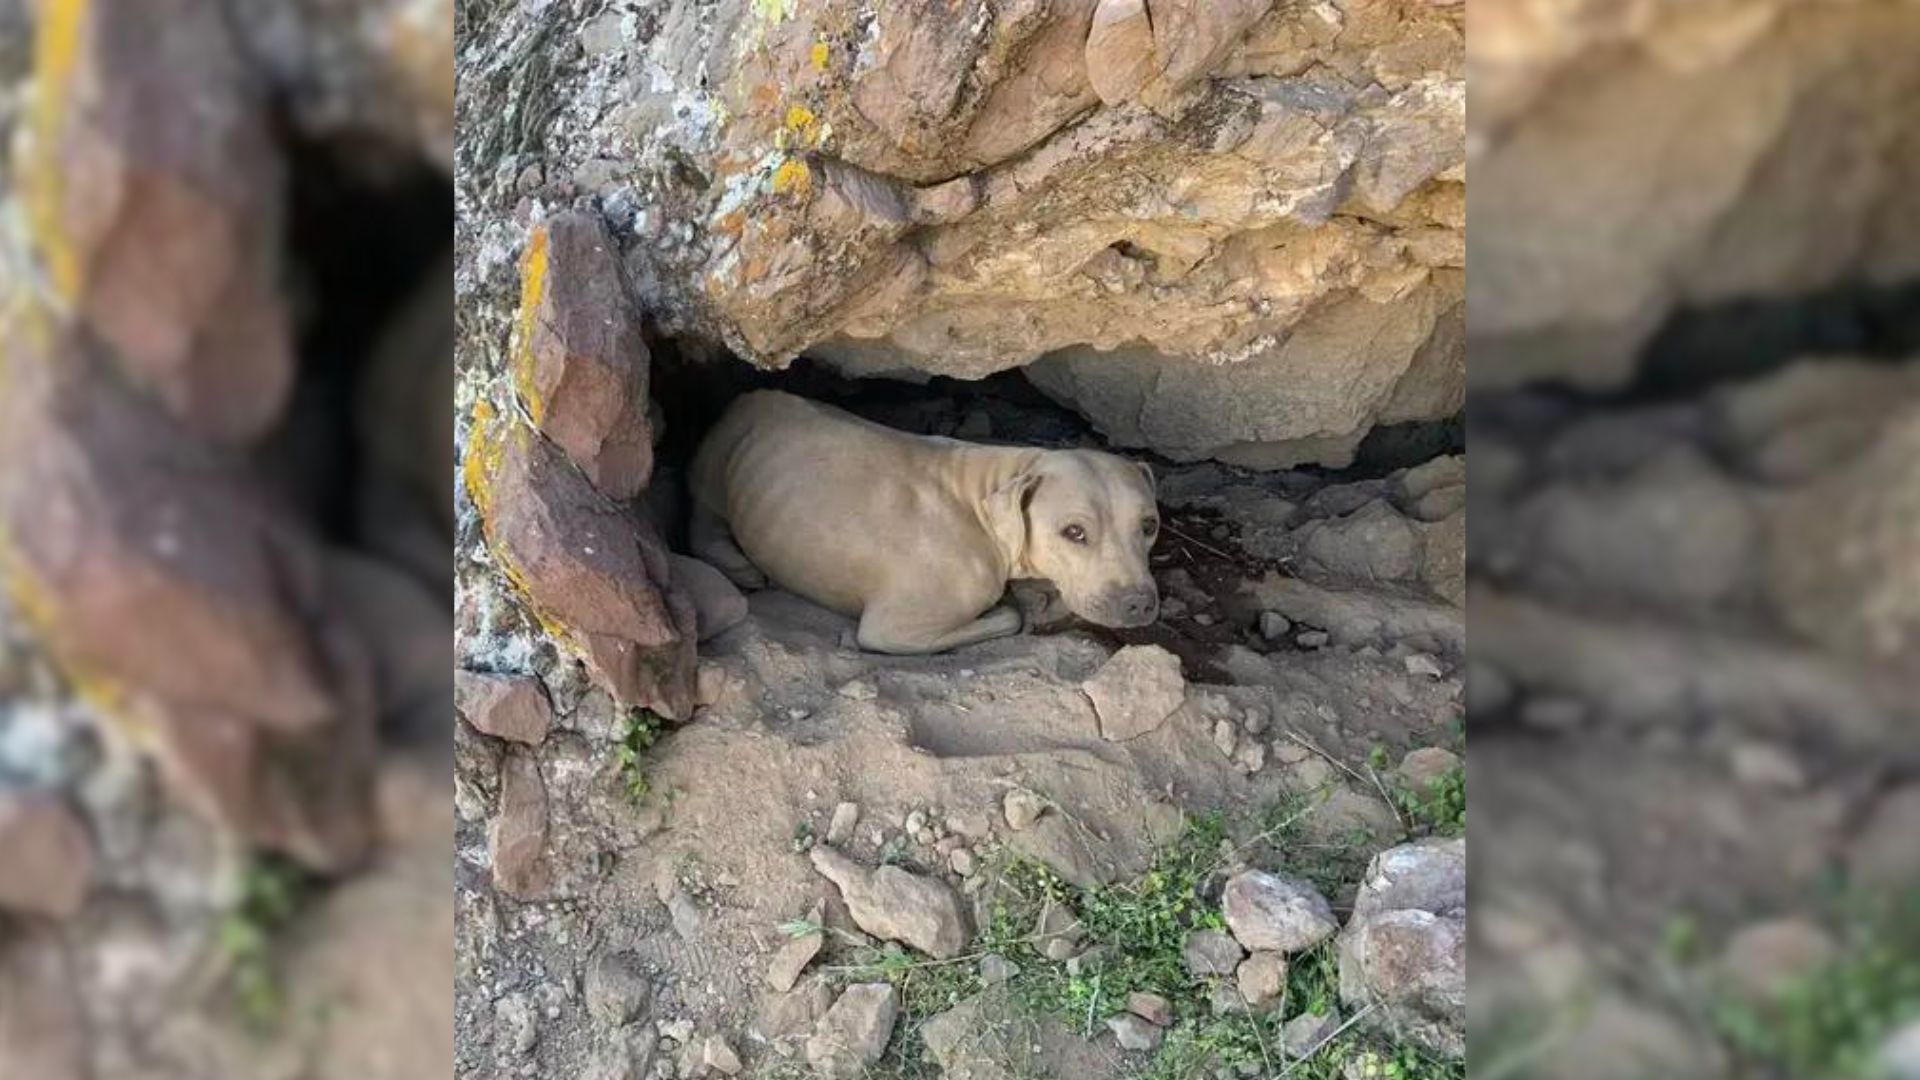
(1264, 201)
(718, 1056)
(895, 905)
(595, 574)
(517, 840)
(1766, 957)
(1429, 875)
(1261, 977)
(990, 1036)
(43, 1029)
(853, 1035)
(996, 969)
(1269, 911)
(1211, 952)
(1152, 1008)
(260, 698)
(511, 707)
(1693, 222)
(1056, 932)
(1134, 1033)
(1861, 597)
(1373, 543)
(793, 956)
(786, 1021)
(1367, 617)
(1378, 352)
(1814, 416)
(840, 828)
(1404, 948)
(718, 607)
(48, 855)
(1674, 533)
(1023, 808)
(1135, 691)
(580, 365)
(1302, 1034)
(163, 231)
(1424, 767)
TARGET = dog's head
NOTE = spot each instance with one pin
(1084, 521)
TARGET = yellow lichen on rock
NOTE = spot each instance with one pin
(56, 57)
(793, 176)
(533, 292)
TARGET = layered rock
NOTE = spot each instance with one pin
(189, 606)
(160, 226)
(594, 572)
(1633, 160)
(1254, 204)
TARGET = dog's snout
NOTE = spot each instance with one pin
(1140, 607)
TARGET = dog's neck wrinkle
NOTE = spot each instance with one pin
(975, 474)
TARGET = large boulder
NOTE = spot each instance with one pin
(1403, 951)
(1256, 209)
(1632, 160)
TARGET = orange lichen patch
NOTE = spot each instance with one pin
(793, 176)
(819, 54)
(56, 56)
(732, 224)
(533, 293)
(486, 447)
(764, 96)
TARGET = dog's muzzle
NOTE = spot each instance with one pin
(1132, 607)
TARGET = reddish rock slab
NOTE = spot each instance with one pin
(580, 365)
(187, 605)
(594, 572)
(47, 856)
(158, 206)
(511, 707)
(517, 839)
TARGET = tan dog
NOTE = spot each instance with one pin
(918, 536)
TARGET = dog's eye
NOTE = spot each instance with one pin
(1075, 533)
(1149, 527)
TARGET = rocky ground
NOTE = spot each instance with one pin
(213, 520)
(848, 864)
(1693, 683)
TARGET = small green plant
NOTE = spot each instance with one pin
(641, 731)
(1832, 1022)
(270, 893)
(1441, 809)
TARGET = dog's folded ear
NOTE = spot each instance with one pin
(1146, 470)
(1006, 517)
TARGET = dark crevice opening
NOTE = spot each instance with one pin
(365, 224)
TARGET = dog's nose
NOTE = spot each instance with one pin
(1141, 606)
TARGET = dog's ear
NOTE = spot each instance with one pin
(1146, 470)
(1006, 516)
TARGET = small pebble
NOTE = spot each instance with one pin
(1311, 639)
(1273, 625)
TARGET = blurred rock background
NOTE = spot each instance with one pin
(1695, 542)
(224, 647)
